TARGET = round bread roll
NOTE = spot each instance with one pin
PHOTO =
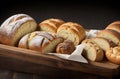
(113, 55)
(43, 42)
(66, 47)
(72, 31)
(114, 26)
(92, 51)
(50, 25)
(110, 35)
(15, 27)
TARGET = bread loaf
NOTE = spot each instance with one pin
(114, 26)
(110, 35)
(15, 27)
(113, 55)
(66, 47)
(72, 31)
(50, 25)
(103, 43)
(43, 42)
(92, 51)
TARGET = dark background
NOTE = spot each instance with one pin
(90, 14)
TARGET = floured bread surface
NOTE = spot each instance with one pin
(72, 31)
(15, 27)
(92, 51)
(50, 25)
(43, 42)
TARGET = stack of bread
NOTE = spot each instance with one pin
(53, 35)
(108, 40)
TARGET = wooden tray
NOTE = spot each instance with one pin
(25, 60)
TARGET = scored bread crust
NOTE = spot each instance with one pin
(92, 51)
(72, 31)
(103, 43)
(43, 42)
(50, 25)
(114, 26)
(113, 55)
(110, 35)
(15, 27)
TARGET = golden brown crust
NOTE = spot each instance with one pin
(66, 47)
(103, 43)
(110, 35)
(113, 55)
(72, 31)
(50, 25)
(92, 51)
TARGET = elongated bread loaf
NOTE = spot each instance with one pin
(110, 35)
(92, 51)
(72, 31)
(114, 26)
(43, 42)
(103, 43)
(15, 27)
(50, 25)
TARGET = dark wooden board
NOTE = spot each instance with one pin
(30, 61)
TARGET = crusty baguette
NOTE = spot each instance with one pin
(15, 27)
(92, 51)
(72, 31)
(50, 25)
(43, 42)
(113, 55)
(110, 35)
(103, 43)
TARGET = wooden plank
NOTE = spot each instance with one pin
(34, 62)
(6, 74)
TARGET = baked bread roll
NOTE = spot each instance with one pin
(72, 31)
(50, 25)
(43, 42)
(15, 27)
(110, 35)
(103, 43)
(92, 51)
(114, 26)
(113, 55)
(66, 47)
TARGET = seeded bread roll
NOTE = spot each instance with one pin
(66, 47)
(15, 27)
(92, 51)
(114, 26)
(113, 55)
(50, 25)
(110, 35)
(72, 31)
(43, 42)
(103, 43)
